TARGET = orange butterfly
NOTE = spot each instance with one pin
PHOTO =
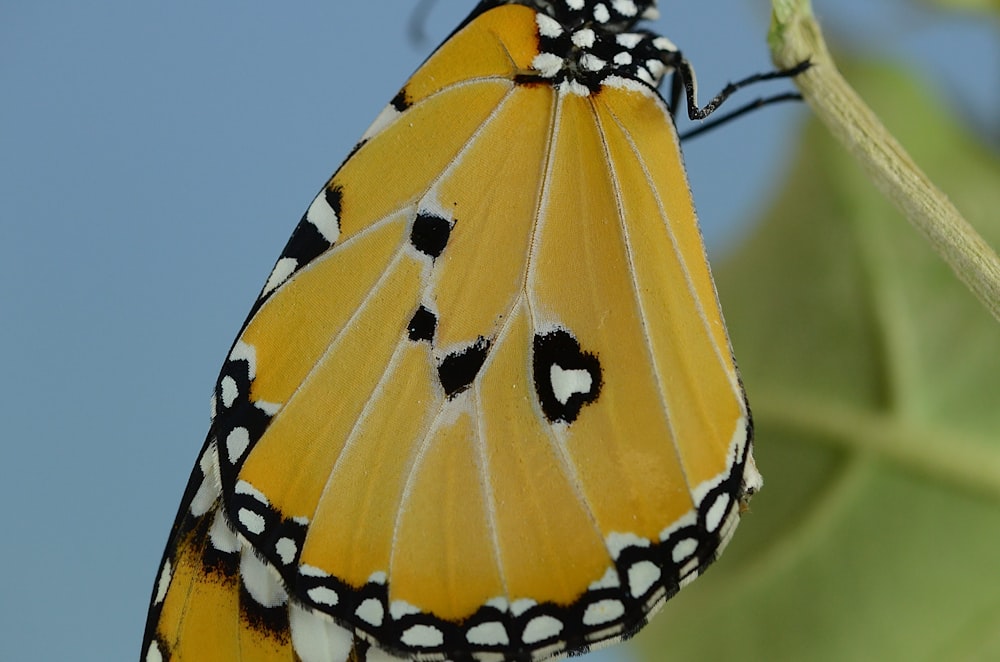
(485, 407)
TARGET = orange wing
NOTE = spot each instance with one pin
(485, 407)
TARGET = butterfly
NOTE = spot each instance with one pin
(485, 406)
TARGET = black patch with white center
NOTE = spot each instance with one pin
(458, 369)
(254, 519)
(422, 326)
(566, 377)
(430, 234)
(284, 543)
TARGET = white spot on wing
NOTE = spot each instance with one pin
(400, 608)
(584, 38)
(684, 549)
(609, 580)
(284, 268)
(211, 486)
(229, 391)
(628, 39)
(603, 612)
(617, 542)
(261, 580)
(567, 383)
(316, 638)
(243, 487)
(518, 607)
(222, 536)
(498, 603)
(548, 26)
(323, 595)
(164, 583)
(153, 653)
(286, 548)
(664, 44)
(269, 408)
(541, 628)
(236, 444)
(384, 119)
(591, 62)
(630, 84)
(716, 512)
(752, 480)
(307, 570)
(548, 65)
(254, 522)
(641, 577)
(423, 636)
(324, 217)
(371, 612)
(488, 634)
(625, 7)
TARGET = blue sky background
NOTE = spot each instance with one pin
(154, 157)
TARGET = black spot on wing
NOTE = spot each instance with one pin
(430, 234)
(457, 370)
(401, 102)
(559, 348)
(422, 326)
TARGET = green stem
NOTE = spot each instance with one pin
(940, 454)
(795, 36)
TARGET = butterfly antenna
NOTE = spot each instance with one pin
(418, 21)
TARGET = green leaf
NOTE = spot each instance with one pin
(874, 377)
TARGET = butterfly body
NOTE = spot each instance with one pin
(485, 406)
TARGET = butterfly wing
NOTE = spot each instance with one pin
(485, 407)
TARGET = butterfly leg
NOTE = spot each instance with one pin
(684, 82)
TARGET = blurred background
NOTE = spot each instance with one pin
(154, 158)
